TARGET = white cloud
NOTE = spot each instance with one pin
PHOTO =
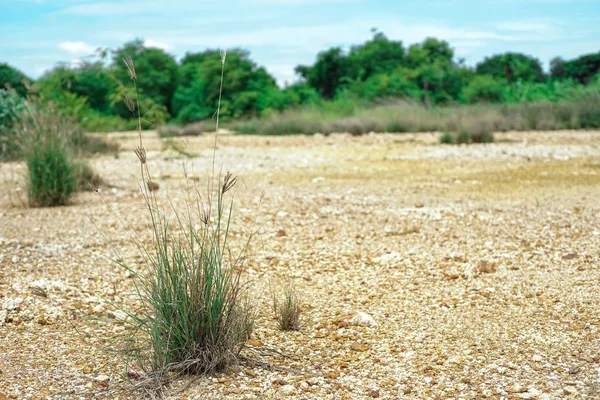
(283, 73)
(76, 47)
(156, 44)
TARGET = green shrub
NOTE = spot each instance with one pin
(52, 178)
(484, 88)
(447, 138)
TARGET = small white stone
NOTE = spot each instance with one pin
(537, 358)
(287, 389)
(281, 214)
(362, 319)
(119, 315)
(3, 315)
(313, 381)
(569, 390)
(318, 179)
(102, 378)
(11, 304)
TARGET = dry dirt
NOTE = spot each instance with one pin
(478, 264)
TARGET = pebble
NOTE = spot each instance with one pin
(102, 378)
(287, 389)
(11, 304)
(363, 319)
(569, 390)
(537, 358)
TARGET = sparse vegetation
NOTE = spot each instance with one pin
(340, 89)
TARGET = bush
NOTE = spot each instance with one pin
(484, 88)
(50, 170)
(446, 138)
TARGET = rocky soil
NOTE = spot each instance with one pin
(426, 271)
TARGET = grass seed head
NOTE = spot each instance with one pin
(130, 67)
(140, 152)
(129, 103)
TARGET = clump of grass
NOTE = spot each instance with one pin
(52, 178)
(405, 116)
(447, 138)
(195, 129)
(167, 131)
(194, 317)
(45, 140)
(287, 308)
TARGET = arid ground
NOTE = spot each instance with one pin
(480, 266)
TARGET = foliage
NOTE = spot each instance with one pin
(157, 74)
(11, 106)
(328, 72)
(11, 78)
(247, 88)
(377, 71)
(484, 89)
(512, 67)
(582, 69)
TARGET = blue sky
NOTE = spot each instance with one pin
(280, 34)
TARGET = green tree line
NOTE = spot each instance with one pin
(379, 69)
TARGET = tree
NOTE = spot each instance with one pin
(557, 68)
(156, 72)
(247, 88)
(328, 72)
(512, 67)
(13, 78)
(434, 71)
(583, 69)
(89, 79)
(377, 56)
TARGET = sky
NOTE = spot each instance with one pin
(35, 35)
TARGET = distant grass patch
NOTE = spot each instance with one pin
(476, 121)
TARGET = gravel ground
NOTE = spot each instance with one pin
(477, 267)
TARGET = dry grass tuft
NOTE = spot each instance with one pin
(287, 307)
